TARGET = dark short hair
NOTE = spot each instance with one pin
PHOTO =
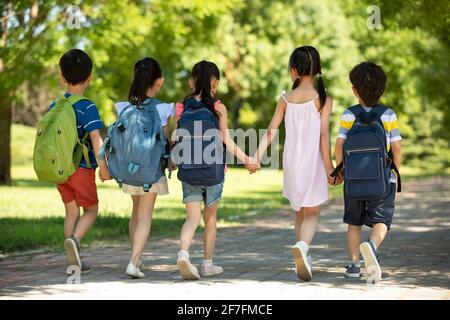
(369, 81)
(76, 66)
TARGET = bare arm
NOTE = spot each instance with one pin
(97, 142)
(277, 118)
(338, 150)
(325, 144)
(231, 145)
(396, 148)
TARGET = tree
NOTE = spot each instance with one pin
(413, 49)
(28, 39)
(34, 34)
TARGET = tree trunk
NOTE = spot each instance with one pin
(5, 143)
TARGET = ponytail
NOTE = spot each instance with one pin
(146, 72)
(296, 83)
(203, 73)
(321, 90)
(306, 60)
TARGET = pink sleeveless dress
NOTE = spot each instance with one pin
(304, 177)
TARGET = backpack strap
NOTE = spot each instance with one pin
(83, 145)
(336, 171)
(74, 98)
(357, 110)
(394, 167)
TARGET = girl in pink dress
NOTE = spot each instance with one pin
(307, 163)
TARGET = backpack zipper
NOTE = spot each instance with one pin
(362, 150)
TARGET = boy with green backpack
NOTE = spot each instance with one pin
(66, 150)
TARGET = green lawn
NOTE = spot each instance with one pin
(32, 214)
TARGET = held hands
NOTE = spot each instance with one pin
(252, 164)
(334, 181)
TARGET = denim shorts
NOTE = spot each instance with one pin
(370, 212)
(208, 194)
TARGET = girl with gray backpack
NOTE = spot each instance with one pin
(137, 148)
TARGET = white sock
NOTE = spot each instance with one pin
(375, 246)
(303, 245)
(207, 263)
(183, 253)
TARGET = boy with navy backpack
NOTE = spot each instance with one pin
(368, 149)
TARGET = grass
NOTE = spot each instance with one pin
(32, 214)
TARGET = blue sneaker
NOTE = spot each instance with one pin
(371, 261)
(353, 271)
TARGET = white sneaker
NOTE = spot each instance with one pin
(302, 263)
(187, 270)
(371, 263)
(210, 270)
(72, 254)
(134, 272)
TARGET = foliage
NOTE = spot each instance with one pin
(251, 42)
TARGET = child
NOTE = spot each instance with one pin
(369, 82)
(307, 160)
(147, 83)
(204, 81)
(80, 190)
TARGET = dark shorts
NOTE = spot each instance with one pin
(370, 212)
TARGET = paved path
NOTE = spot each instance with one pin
(256, 257)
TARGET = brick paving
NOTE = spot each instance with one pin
(415, 260)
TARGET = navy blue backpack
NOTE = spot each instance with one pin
(199, 151)
(366, 162)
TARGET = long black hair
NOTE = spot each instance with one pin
(203, 73)
(146, 72)
(306, 60)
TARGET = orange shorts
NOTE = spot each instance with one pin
(81, 188)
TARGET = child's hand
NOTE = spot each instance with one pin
(339, 178)
(330, 179)
(252, 165)
(335, 181)
(104, 175)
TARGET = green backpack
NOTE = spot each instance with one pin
(57, 148)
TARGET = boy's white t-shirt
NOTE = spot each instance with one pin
(165, 110)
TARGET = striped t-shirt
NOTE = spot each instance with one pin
(390, 123)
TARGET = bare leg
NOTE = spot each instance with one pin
(134, 218)
(210, 218)
(193, 215)
(144, 220)
(72, 217)
(86, 221)
(353, 242)
(378, 234)
(299, 217)
(310, 223)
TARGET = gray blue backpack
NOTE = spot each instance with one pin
(367, 164)
(136, 146)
